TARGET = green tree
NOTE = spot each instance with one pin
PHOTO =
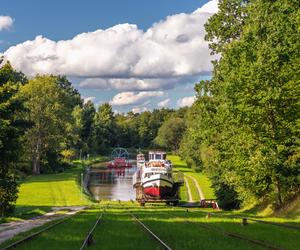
(170, 133)
(12, 127)
(105, 128)
(248, 122)
(49, 117)
(87, 132)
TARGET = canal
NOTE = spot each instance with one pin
(112, 184)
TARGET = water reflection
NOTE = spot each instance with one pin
(112, 184)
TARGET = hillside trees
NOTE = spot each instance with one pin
(12, 127)
(248, 124)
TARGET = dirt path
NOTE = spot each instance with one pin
(190, 198)
(9, 230)
(202, 197)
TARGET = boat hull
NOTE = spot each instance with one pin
(158, 188)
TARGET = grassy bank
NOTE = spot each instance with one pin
(38, 194)
(203, 181)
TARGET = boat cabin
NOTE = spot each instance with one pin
(157, 156)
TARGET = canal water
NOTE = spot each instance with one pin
(112, 184)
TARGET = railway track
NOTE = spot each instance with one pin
(35, 234)
(89, 238)
(151, 233)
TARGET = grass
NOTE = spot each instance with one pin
(193, 189)
(38, 194)
(52, 190)
(179, 229)
(202, 179)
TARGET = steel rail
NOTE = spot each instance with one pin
(89, 238)
(35, 234)
(151, 233)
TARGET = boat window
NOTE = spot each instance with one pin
(157, 157)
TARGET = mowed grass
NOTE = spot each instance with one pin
(59, 189)
(176, 227)
(38, 194)
(202, 179)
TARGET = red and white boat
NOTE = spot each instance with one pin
(156, 176)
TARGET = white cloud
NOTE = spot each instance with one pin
(186, 101)
(88, 99)
(6, 22)
(210, 7)
(130, 84)
(134, 98)
(172, 48)
(164, 103)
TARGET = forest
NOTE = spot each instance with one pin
(243, 130)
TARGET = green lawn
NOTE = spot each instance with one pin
(179, 229)
(38, 194)
(204, 182)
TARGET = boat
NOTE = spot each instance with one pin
(156, 176)
(119, 163)
(119, 159)
(140, 160)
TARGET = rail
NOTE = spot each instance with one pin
(163, 244)
(35, 234)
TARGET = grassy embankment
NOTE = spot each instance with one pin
(203, 181)
(117, 230)
(38, 194)
(289, 214)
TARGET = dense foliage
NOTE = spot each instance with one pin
(12, 127)
(244, 127)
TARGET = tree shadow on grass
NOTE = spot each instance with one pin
(118, 230)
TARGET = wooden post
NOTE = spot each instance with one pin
(244, 222)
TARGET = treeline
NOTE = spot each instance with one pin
(244, 128)
(45, 124)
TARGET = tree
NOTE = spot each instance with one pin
(248, 123)
(170, 133)
(49, 116)
(12, 127)
(87, 132)
(104, 128)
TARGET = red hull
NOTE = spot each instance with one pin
(158, 192)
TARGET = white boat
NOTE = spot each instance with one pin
(156, 176)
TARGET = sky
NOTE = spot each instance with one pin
(136, 54)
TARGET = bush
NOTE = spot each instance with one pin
(8, 193)
(227, 197)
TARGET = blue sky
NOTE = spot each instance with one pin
(114, 51)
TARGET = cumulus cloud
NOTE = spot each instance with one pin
(210, 7)
(186, 101)
(163, 103)
(171, 48)
(130, 84)
(134, 98)
(88, 99)
(6, 22)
